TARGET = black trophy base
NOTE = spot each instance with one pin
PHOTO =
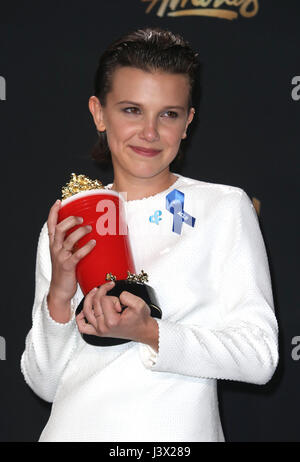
(137, 288)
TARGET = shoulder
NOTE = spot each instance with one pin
(43, 236)
(209, 192)
(227, 202)
(43, 251)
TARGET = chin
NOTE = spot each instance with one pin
(149, 171)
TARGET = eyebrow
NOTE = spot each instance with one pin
(138, 104)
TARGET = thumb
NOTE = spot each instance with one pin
(130, 299)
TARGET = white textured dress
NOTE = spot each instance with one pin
(213, 285)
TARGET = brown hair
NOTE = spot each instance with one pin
(148, 49)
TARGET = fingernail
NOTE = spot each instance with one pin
(58, 201)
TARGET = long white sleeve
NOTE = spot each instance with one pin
(212, 282)
(244, 346)
(49, 344)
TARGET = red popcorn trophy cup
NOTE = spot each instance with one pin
(111, 258)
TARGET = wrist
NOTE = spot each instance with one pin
(58, 297)
(59, 308)
(150, 336)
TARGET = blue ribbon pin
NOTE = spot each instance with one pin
(175, 205)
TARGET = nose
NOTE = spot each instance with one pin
(149, 130)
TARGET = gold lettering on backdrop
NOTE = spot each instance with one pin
(246, 8)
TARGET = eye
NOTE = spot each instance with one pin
(171, 114)
(131, 110)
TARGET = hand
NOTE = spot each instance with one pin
(106, 318)
(64, 259)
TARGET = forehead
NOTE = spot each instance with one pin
(135, 84)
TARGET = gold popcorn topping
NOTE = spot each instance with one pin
(79, 183)
(142, 277)
(110, 277)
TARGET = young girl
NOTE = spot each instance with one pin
(209, 271)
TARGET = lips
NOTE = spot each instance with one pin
(145, 152)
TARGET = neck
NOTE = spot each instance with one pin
(139, 188)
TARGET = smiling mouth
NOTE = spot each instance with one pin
(145, 152)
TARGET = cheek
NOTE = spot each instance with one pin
(118, 133)
(172, 134)
(121, 131)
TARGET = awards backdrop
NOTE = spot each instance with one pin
(246, 134)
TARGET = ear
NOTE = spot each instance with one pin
(189, 120)
(96, 110)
